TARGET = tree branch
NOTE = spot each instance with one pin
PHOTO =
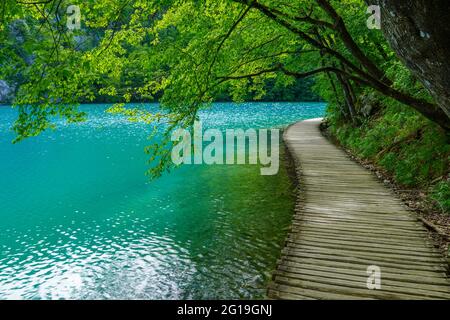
(379, 83)
(233, 27)
(351, 44)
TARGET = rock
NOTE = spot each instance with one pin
(418, 31)
(369, 104)
(6, 92)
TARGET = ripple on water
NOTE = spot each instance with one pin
(81, 221)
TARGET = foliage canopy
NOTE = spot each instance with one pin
(187, 53)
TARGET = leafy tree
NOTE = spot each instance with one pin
(190, 52)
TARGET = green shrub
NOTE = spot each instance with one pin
(413, 150)
(441, 194)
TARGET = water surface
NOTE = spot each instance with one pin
(80, 220)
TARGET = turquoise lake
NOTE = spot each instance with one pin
(81, 220)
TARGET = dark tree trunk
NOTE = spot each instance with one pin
(346, 90)
(419, 32)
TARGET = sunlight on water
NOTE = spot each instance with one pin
(80, 220)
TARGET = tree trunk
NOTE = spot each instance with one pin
(346, 90)
(419, 32)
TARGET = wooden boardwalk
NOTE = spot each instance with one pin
(346, 221)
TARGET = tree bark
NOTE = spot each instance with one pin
(419, 32)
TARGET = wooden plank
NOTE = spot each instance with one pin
(321, 260)
(362, 242)
(359, 281)
(365, 250)
(354, 252)
(352, 269)
(346, 220)
(388, 216)
(366, 261)
(375, 233)
(347, 286)
(410, 245)
(364, 245)
(277, 291)
(360, 228)
(359, 221)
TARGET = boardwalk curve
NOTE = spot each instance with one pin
(345, 222)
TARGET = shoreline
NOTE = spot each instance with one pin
(10, 104)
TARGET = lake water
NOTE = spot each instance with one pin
(80, 220)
